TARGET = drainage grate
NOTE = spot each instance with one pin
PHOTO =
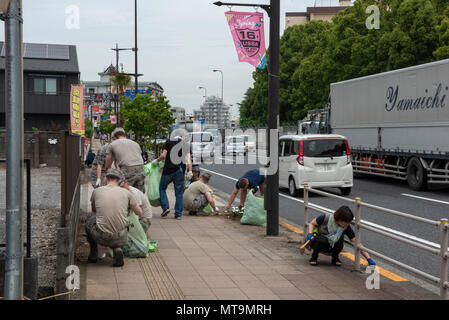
(159, 280)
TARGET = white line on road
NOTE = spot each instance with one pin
(413, 196)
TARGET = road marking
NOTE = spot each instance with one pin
(388, 274)
(290, 227)
(428, 199)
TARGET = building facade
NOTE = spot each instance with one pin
(214, 111)
(178, 113)
(49, 71)
(315, 13)
(100, 96)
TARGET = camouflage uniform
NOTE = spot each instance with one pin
(198, 204)
(100, 159)
(95, 235)
(135, 176)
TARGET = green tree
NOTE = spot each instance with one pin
(88, 128)
(147, 116)
(106, 125)
(120, 82)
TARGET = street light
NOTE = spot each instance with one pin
(272, 199)
(215, 70)
(205, 92)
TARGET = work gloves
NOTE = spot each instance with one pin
(189, 175)
(97, 183)
(309, 236)
(371, 262)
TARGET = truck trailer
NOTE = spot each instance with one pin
(396, 122)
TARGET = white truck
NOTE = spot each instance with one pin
(396, 122)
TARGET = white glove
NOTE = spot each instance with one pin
(98, 183)
(189, 175)
(155, 162)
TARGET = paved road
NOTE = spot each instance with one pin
(387, 193)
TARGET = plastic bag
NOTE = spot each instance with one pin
(254, 212)
(208, 209)
(137, 245)
(152, 246)
(152, 171)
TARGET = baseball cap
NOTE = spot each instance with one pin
(112, 172)
(116, 130)
(206, 175)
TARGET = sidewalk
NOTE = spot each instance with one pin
(217, 258)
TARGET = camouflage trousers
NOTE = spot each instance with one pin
(199, 203)
(135, 176)
(93, 176)
(95, 235)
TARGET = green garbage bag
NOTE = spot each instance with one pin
(208, 209)
(137, 245)
(254, 212)
(152, 246)
(152, 171)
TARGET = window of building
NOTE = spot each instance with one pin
(45, 86)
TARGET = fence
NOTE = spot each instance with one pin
(71, 159)
(41, 147)
(436, 249)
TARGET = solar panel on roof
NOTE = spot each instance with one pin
(58, 51)
(34, 50)
(43, 51)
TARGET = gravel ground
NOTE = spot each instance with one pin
(45, 214)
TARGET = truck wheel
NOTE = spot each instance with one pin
(416, 175)
(292, 188)
(345, 191)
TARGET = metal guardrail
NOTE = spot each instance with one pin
(27, 244)
(440, 249)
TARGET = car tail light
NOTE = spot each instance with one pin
(300, 158)
(348, 152)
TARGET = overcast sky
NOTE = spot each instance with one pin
(180, 42)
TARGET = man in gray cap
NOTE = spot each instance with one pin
(108, 224)
(127, 155)
(198, 195)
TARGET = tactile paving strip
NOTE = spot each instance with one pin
(158, 278)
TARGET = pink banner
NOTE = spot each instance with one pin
(247, 30)
(113, 119)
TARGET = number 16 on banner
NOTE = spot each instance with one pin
(247, 29)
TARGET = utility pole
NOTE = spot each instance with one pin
(272, 194)
(272, 203)
(116, 101)
(14, 151)
(136, 75)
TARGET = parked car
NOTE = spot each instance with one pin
(249, 142)
(234, 145)
(319, 160)
(201, 145)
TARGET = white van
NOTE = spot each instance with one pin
(318, 160)
(201, 145)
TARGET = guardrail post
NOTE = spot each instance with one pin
(357, 235)
(444, 231)
(306, 213)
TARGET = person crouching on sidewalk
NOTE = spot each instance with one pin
(330, 236)
(108, 223)
(198, 195)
